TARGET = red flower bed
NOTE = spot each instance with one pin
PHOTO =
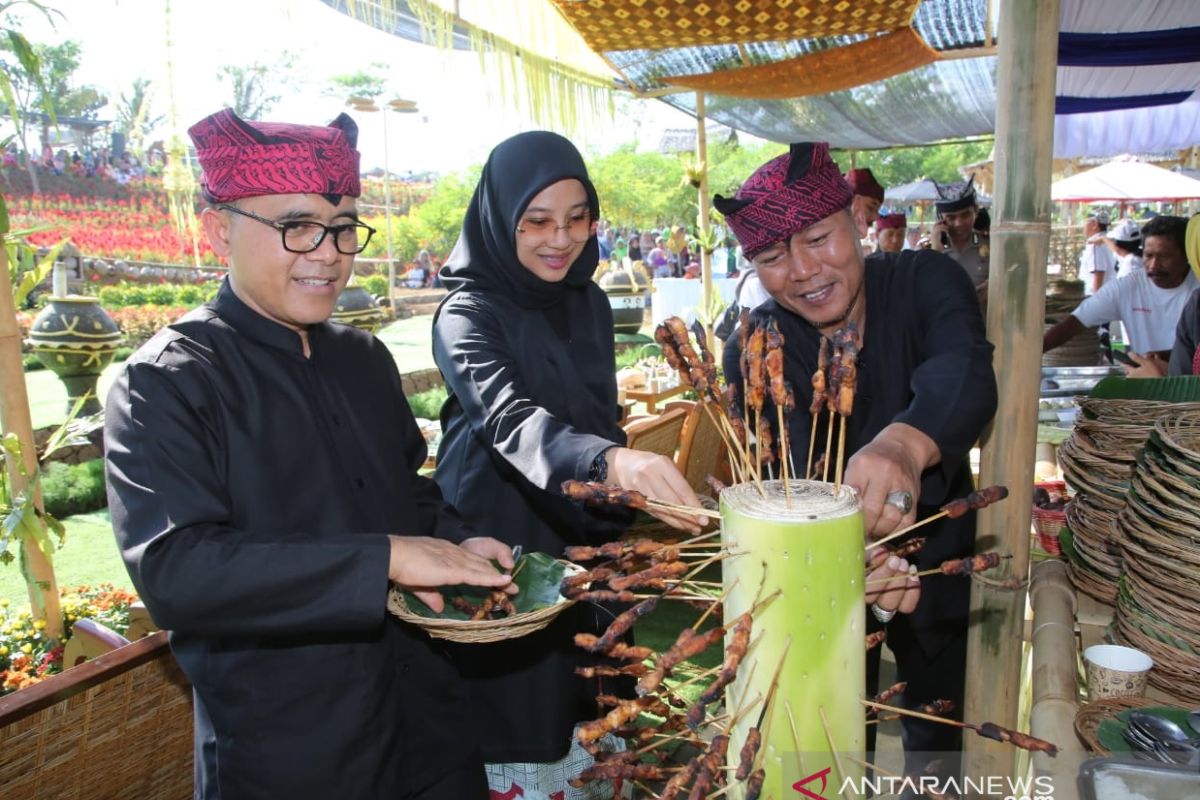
(137, 229)
(139, 323)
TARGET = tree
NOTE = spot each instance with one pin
(250, 86)
(135, 115)
(369, 83)
(939, 162)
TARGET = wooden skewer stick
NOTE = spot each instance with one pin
(828, 446)
(716, 601)
(787, 485)
(918, 714)
(795, 735)
(699, 511)
(837, 757)
(921, 574)
(677, 735)
(812, 441)
(841, 453)
(902, 531)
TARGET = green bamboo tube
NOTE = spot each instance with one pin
(812, 552)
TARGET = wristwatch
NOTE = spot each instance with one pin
(598, 472)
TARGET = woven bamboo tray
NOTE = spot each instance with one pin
(1089, 717)
(477, 631)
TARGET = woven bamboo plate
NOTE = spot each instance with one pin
(1091, 584)
(1154, 626)
(1090, 716)
(539, 586)
(1174, 672)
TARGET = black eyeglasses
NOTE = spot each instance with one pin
(304, 237)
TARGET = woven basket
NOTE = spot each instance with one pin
(1089, 717)
(481, 631)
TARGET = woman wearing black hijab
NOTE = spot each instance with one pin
(525, 343)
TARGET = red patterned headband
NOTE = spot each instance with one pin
(240, 158)
(785, 195)
(887, 221)
(862, 181)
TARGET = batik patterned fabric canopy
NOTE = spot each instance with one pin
(861, 74)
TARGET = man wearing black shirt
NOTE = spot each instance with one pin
(925, 391)
(262, 474)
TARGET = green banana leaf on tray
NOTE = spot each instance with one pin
(1109, 731)
(538, 578)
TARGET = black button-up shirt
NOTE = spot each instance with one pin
(252, 490)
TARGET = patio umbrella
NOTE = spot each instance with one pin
(1124, 181)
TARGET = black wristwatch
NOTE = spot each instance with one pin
(598, 472)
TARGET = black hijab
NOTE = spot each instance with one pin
(485, 257)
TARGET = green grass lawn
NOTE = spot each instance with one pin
(88, 556)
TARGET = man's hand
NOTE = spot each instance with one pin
(657, 477)
(901, 593)
(939, 235)
(420, 564)
(892, 462)
(1148, 366)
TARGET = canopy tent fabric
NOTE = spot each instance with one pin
(922, 191)
(1125, 181)
(794, 70)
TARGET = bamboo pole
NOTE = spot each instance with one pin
(1028, 36)
(15, 418)
(703, 222)
(1055, 677)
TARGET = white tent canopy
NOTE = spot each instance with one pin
(1124, 181)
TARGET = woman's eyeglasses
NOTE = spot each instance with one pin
(578, 227)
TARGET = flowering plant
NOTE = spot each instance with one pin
(28, 657)
(139, 323)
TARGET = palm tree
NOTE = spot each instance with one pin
(135, 117)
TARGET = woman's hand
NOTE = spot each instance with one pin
(657, 477)
(889, 584)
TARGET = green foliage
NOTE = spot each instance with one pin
(368, 83)
(375, 285)
(433, 225)
(128, 295)
(74, 489)
(135, 114)
(641, 189)
(538, 576)
(903, 165)
(428, 404)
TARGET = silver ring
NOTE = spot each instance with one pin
(901, 500)
(882, 615)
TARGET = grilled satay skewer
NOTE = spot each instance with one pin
(657, 572)
(753, 381)
(953, 509)
(636, 670)
(619, 626)
(988, 730)
(847, 385)
(779, 397)
(687, 645)
(980, 562)
(608, 494)
(738, 643)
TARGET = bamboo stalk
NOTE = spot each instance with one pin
(1026, 64)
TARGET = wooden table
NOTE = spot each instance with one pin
(643, 394)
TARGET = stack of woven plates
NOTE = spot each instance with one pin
(1098, 463)
(1158, 607)
(1083, 349)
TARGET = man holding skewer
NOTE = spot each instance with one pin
(925, 392)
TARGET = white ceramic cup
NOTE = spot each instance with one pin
(1115, 671)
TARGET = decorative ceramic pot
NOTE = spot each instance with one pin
(76, 339)
(628, 291)
(355, 306)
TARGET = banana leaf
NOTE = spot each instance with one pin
(1173, 389)
(1109, 730)
(538, 580)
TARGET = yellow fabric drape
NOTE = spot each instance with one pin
(608, 25)
(819, 73)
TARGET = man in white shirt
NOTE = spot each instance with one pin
(1147, 301)
(1097, 264)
